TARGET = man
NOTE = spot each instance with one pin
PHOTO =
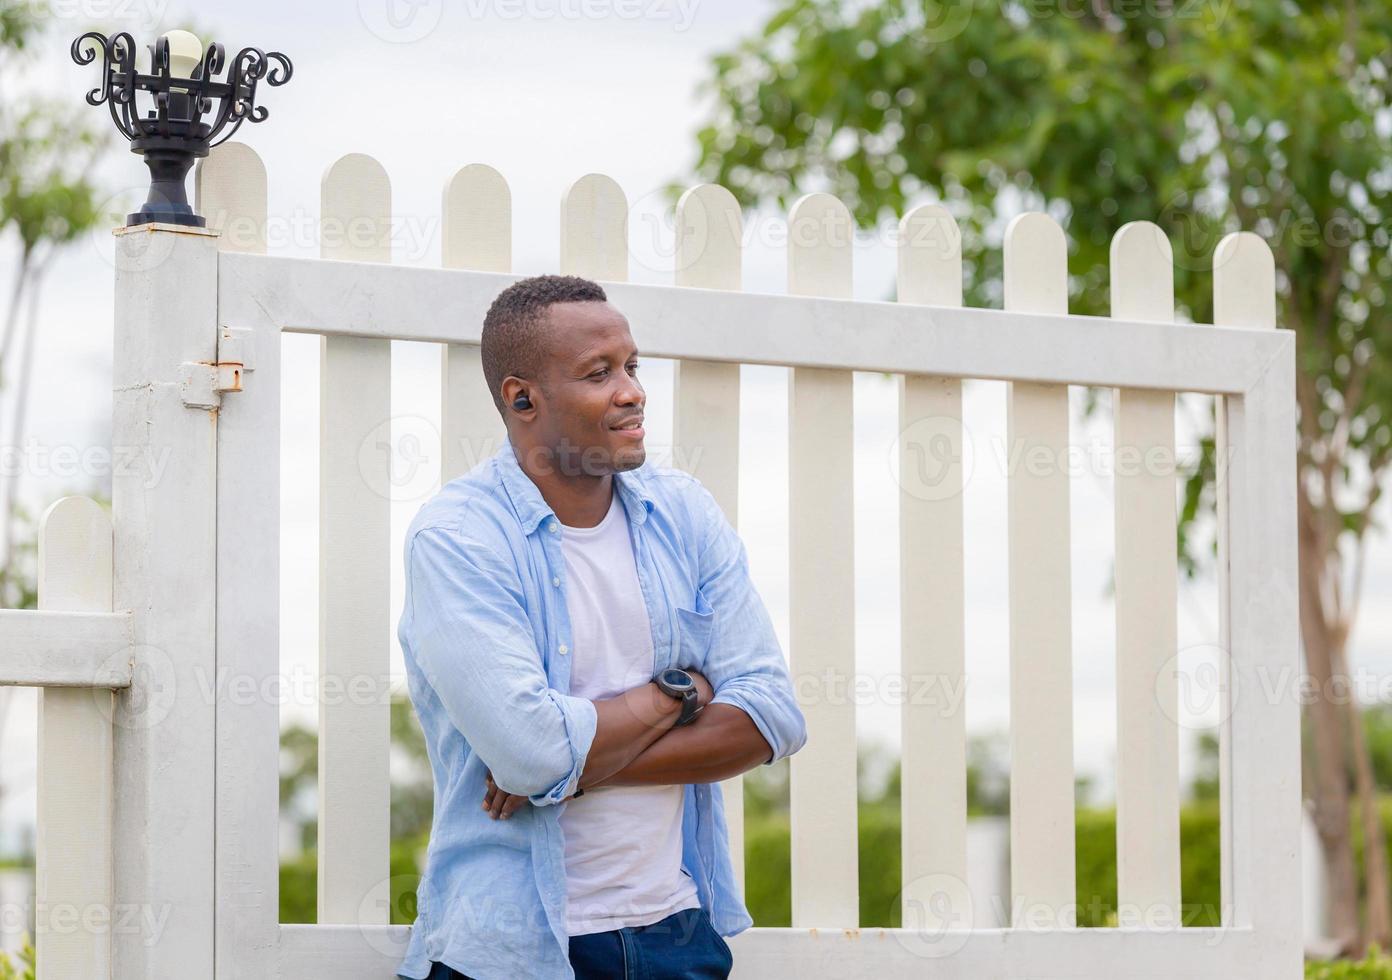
(588, 657)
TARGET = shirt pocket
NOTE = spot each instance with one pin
(695, 629)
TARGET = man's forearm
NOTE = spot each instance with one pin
(627, 725)
(722, 742)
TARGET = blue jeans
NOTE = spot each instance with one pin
(683, 946)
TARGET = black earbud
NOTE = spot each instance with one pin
(521, 403)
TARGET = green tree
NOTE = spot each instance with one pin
(48, 198)
(1205, 118)
(1204, 786)
(988, 777)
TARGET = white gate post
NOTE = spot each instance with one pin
(163, 487)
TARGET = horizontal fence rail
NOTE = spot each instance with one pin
(447, 306)
(65, 649)
(357, 302)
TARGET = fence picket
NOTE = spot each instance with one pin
(1244, 295)
(354, 581)
(476, 234)
(594, 229)
(706, 394)
(229, 187)
(1147, 614)
(1041, 666)
(821, 583)
(933, 755)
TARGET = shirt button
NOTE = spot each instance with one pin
(552, 527)
(564, 649)
(555, 580)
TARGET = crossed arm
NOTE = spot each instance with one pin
(636, 744)
(472, 638)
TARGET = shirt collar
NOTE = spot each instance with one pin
(532, 507)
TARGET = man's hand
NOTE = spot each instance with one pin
(500, 804)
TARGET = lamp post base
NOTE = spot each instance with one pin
(169, 160)
(146, 216)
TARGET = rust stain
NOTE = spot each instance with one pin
(157, 227)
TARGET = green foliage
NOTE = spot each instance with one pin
(1205, 784)
(1199, 861)
(27, 963)
(768, 885)
(1384, 807)
(19, 584)
(1204, 118)
(412, 792)
(46, 194)
(768, 888)
(1375, 966)
(1377, 727)
(299, 886)
(19, 24)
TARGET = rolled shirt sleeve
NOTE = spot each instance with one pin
(744, 662)
(471, 638)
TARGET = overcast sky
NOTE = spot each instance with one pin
(546, 92)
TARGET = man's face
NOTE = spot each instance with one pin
(591, 388)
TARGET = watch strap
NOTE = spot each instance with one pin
(688, 709)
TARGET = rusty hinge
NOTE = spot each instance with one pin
(203, 382)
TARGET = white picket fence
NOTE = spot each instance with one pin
(187, 829)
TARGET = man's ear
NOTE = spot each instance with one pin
(518, 394)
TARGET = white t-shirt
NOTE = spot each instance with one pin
(623, 844)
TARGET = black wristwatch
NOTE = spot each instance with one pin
(678, 683)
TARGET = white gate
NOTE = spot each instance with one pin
(199, 324)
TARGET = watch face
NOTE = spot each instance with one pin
(677, 678)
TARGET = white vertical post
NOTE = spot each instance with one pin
(164, 550)
(933, 759)
(594, 229)
(1147, 614)
(1041, 666)
(477, 234)
(821, 453)
(354, 582)
(230, 186)
(73, 848)
(707, 397)
(1259, 605)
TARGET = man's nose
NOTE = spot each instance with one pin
(631, 393)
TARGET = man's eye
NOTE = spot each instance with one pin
(600, 373)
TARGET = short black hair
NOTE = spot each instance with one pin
(514, 335)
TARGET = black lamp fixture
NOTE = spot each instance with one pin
(179, 89)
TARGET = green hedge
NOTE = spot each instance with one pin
(1376, 966)
(768, 884)
(768, 889)
(299, 885)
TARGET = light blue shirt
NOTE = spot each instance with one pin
(486, 633)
